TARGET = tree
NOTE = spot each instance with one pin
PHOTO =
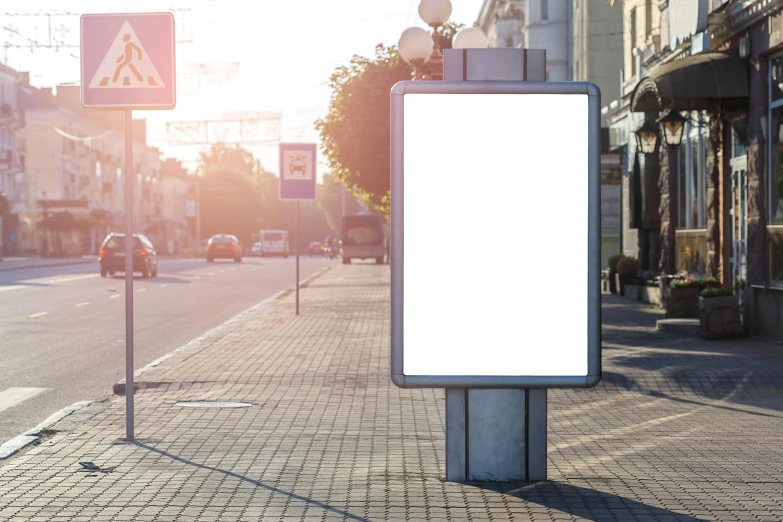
(330, 201)
(235, 158)
(355, 131)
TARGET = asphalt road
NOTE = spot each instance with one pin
(62, 329)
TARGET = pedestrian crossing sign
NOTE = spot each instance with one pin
(126, 65)
(128, 61)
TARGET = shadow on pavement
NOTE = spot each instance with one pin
(257, 483)
(156, 279)
(584, 503)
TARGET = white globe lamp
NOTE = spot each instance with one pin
(470, 38)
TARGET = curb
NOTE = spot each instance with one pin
(34, 435)
(119, 388)
(47, 265)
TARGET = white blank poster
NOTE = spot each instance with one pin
(495, 234)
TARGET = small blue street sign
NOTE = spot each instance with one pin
(297, 171)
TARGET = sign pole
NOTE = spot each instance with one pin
(128, 275)
(297, 257)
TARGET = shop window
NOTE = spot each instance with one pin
(775, 173)
(691, 180)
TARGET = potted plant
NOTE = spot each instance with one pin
(613, 261)
(719, 313)
(627, 268)
(683, 301)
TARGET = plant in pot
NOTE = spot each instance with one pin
(683, 299)
(613, 261)
(627, 269)
(720, 315)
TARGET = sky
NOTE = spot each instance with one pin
(286, 51)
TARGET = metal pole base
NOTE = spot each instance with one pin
(496, 435)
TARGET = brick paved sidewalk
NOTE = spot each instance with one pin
(680, 429)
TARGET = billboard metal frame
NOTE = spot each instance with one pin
(593, 332)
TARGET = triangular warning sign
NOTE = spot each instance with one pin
(126, 65)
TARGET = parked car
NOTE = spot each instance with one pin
(316, 249)
(224, 246)
(256, 249)
(112, 255)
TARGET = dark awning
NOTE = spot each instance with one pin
(696, 82)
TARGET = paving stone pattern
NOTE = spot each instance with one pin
(679, 429)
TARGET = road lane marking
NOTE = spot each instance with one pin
(85, 303)
(5, 288)
(211, 273)
(114, 296)
(13, 396)
(222, 271)
(140, 290)
(39, 314)
(164, 285)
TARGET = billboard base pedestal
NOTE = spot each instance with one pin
(496, 435)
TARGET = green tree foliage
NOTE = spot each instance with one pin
(330, 201)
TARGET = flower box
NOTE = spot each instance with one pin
(719, 317)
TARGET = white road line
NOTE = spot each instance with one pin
(140, 290)
(39, 314)
(6, 288)
(13, 396)
(195, 277)
(85, 303)
(164, 285)
(211, 273)
(114, 296)
(222, 271)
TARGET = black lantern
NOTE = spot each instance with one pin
(673, 127)
(647, 137)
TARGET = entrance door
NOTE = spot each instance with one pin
(739, 215)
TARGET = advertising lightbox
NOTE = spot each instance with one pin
(495, 234)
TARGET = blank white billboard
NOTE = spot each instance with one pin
(496, 233)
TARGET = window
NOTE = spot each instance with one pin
(632, 23)
(775, 173)
(691, 182)
(647, 18)
(544, 10)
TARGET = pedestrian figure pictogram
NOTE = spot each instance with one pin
(126, 64)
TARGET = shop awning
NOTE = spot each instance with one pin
(696, 82)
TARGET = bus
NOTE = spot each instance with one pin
(363, 238)
(274, 243)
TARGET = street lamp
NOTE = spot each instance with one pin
(647, 137)
(470, 38)
(435, 13)
(672, 127)
(415, 47)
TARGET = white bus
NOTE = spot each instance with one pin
(274, 243)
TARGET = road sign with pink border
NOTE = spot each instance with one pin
(128, 61)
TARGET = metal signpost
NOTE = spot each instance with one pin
(128, 62)
(487, 326)
(297, 183)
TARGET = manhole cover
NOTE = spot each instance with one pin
(210, 404)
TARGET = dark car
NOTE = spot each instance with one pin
(316, 249)
(224, 246)
(112, 255)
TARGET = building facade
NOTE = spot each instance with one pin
(709, 205)
(74, 174)
(12, 187)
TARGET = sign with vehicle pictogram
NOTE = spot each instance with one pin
(297, 171)
(128, 61)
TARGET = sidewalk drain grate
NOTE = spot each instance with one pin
(211, 404)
